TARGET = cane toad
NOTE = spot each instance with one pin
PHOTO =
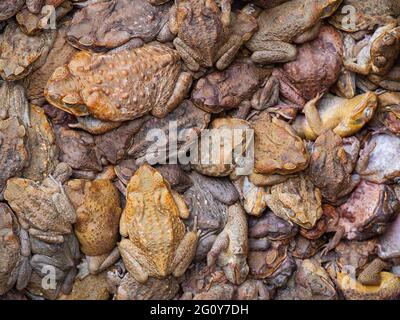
(209, 34)
(296, 200)
(8, 8)
(116, 87)
(331, 167)
(21, 54)
(230, 249)
(43, 209)
(344, 116)
(295, 21)
(103, 25)
(154, 240)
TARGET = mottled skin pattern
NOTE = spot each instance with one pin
(379, 54)
(331, 167)
(296, 21)
(344, 116)
(230, 248)
(9, 7)
(296, 200)
(60, 54)
(42, 146)
(14, 154)
(122, 85)
(370, 276)
(21, 54)
(277, 147)
(93, 287)
(368, 13)
(43, 209)
(388, 289)
(226, 163)
(240, 82)
(109, 24)
(155, 243)
(315, 69)
(98, 213)
(205, 34)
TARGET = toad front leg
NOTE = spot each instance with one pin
(189, 56)
(312, 115)
(275, 52)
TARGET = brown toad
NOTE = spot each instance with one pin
(21, 54)
(242, 82)
(154, 241)
(14, 252)
(230, 249)
(315, 70)
(103, 25)
(277, 147)
(98, 213)
(208, 34)
(296, 200)
(116, 86)
(42, 146)
(43, 209)
(331, 167)
(295, 21)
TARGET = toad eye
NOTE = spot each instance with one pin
(388, 40)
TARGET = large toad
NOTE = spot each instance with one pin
(103, 25)
(155, 243)
(296, 21)
(117, 87)
(209, 34)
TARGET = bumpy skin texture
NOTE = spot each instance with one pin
(155, 243)
(109, 24)
(60, 54)
(331, 167)
(21, 54)
(112, 86)
(207, 199)
(368, 14)
(296, 200)
(154, 289)
(298, 23)
(42, 146)
(205, 34)
(376, 159)
(344, 116)
(78, 149)
(388, 289)
(379, 54)
(315, 69)
(277, 147)
(13, 150)
(47, 17)
(230, 249)
(190, 120)
(42, 209)
(223, 90)
(10, 7)
(98, 213)
(9, 249)
(368, 211)
(226, 163)
(92, 287)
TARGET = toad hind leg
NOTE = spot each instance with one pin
(135, 261)
(185, 252)
(187, 54)
(228, 52)
(370, 275)
(312, 115)
(181, 89)
(275, 52)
